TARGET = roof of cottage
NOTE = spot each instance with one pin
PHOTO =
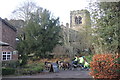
(9, 25)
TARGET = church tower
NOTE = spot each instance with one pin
(79, 19)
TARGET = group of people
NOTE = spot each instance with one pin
(81, 61)
(78, 61)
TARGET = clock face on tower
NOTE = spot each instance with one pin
(78, 20)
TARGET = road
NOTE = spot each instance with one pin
(60, 74)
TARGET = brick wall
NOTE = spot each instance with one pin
(0, 37)
(9, 36)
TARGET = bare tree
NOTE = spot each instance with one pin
(24, 10)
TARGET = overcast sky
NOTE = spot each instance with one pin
(59, 8)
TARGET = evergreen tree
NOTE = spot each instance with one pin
(106, 16)
(40, 35)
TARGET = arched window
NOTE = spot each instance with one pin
(80, 20)
(76, 20)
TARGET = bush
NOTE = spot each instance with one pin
(32, 68)
(89, 58)
(8, 71)
(105, 66)
(10, 64)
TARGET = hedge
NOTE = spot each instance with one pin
(10, 64)
(105, 66)
(8, 71)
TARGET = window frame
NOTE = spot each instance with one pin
(6, 54)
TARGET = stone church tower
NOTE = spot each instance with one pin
(79, 19)
(75, 35)
(79, 30)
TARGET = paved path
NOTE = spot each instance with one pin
(61, 74)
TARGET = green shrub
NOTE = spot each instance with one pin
(10, 64)
(89, 58)
(32, 68)
(23, 60)
(8, 71)
(26, 71)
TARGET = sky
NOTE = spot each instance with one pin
(59, 8)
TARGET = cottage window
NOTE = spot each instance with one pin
(6, 56)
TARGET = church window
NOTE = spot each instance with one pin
(76, 20)
(80, 20)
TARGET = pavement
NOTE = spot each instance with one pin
(60, 74)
